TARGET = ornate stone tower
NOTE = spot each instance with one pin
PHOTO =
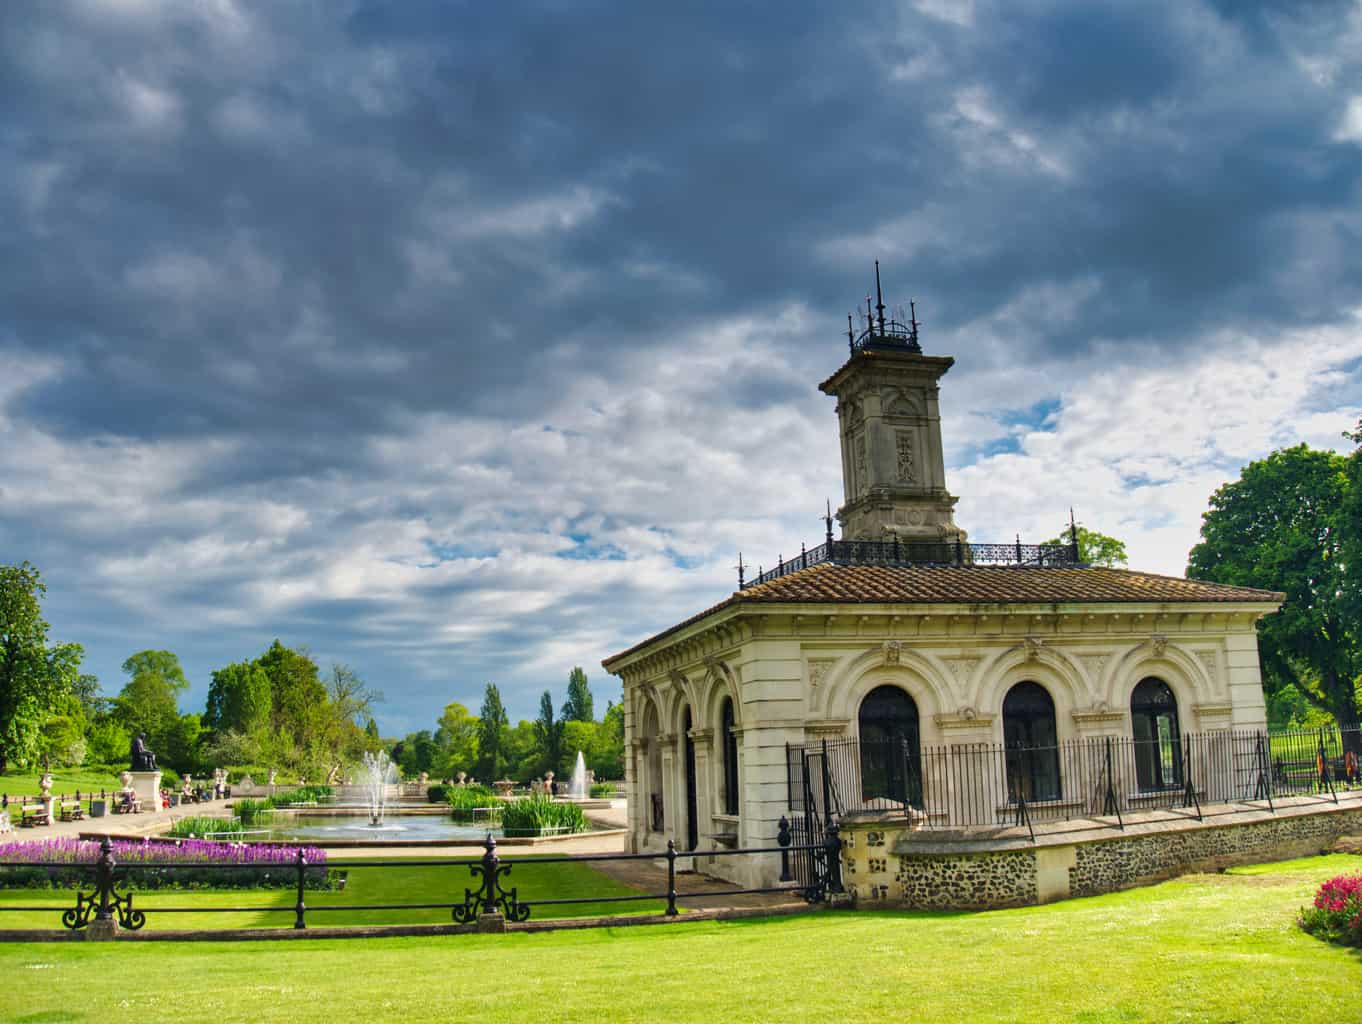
(893, 472)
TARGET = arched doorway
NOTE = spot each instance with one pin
(652, 777)
(1154, 723)
(729, 738)
(692, 812)
(890, 749)
(1031, 740)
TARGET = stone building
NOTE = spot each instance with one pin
(905, 636)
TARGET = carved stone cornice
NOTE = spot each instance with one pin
(1098, 713)
(826, 728)
(1216, 713)
(962, 718)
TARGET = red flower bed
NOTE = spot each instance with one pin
(1336, 915)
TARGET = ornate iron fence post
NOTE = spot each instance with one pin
(300, 907)
(104, 881)
(832, 845)
(783, 841)
(490, 863)
(1110, 804)
(1189, 797)
(1325, 776)
(671, 877)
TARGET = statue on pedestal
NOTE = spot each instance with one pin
(143, 760)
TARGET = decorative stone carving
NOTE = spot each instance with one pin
(892, 651)
(1159, 644)
(818, 671)
(1032, 646)
(1094, 663)
(862, 474)
(962, 669)
(903, 446)
(1210, 663)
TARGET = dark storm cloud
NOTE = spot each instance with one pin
(275, 246)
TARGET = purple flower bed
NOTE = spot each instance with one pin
(253, 867)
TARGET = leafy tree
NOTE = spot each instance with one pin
(578, 707)
(548, 736)
(1095, 548)
(523, 756)
(148, 701)
(608, 758)
(492, 729)
(1284, 525)
(33, 675)
(297, 697)
(417, 753)
(456, 735)
(93, 703)
(107, 742)
(239, 699)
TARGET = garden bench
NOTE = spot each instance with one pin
(34, 814)
(70, 810)
(127, 803)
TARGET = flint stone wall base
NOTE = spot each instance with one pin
(889, 864)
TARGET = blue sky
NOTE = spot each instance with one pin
(464, 342)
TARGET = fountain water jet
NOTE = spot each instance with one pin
(577, 787)
(380, 773)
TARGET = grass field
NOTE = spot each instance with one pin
(413, 882)
(64, 781)
(1204, 948)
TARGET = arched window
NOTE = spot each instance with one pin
(1158, 750)
(890, 765)
(730, 741)
(1032, 743)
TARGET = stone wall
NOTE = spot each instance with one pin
(1139, 860)
(896, 866)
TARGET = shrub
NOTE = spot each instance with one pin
(603, 790)
(1336, 915)
(463, 800)
(438, 793)
(538, 815)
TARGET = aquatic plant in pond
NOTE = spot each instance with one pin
(539, 815)
(473, 803)
(250, 811)
(65, 860)
(1336, 915)
(200, 827)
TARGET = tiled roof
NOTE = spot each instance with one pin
(828, 583)
(986, 584)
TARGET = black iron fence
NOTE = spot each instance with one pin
(993, 785)
(809, 870)
(894, 552)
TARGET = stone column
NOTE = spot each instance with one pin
(704, 809)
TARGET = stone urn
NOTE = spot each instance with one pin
(45, 785)
(462, 777)
(504, 787)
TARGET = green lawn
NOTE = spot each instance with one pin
(1205, 948)
(414, 882)
(64, 782)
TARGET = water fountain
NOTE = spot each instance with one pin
(380, 773)
(577, 787)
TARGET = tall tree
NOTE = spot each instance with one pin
(578, 707)
(456, 734)
(1094, 548)
(148, 702)
(548, 735)
(493, 727)
(298, 696)
(239, 699)
(1283, 525)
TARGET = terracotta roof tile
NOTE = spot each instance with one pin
(942, 584)
(985, 584)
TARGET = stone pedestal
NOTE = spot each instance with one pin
(102, 931)
(147, 786)
(493, 922)
(50, 809)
